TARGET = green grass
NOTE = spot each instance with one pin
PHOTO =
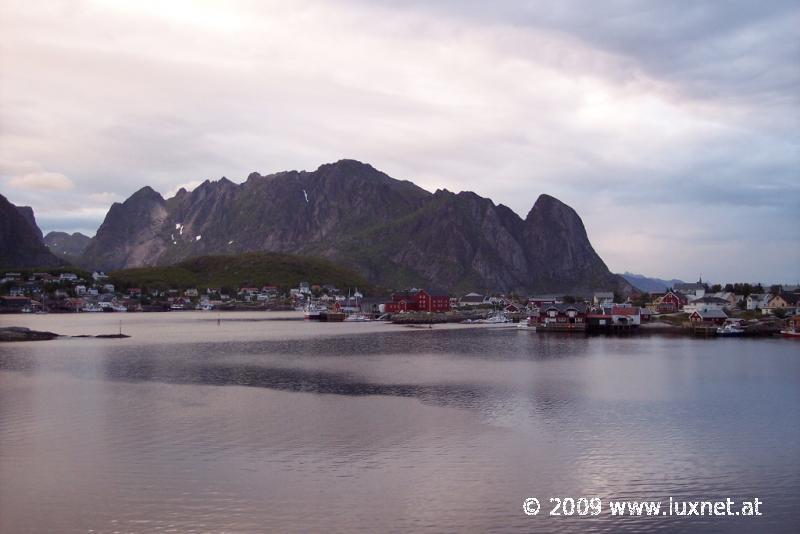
(253, 269)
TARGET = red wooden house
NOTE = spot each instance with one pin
(672, 302)
(560, 317)
(421, 300)
(711, 315)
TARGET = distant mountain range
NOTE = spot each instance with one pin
(67, 246)
(392, 232)
(649, 285)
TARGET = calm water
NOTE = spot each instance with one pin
(253, 425)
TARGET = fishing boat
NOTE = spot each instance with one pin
(313, 311)
(730, 330)
(792, 329)
(497, 318)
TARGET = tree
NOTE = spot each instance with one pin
(716, 288)
(780, 313)
(775, 289)
(569, 299)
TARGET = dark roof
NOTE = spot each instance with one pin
(625, 310)
(711, 313)
(581, 308)
(790, 298)
(710, 300)
(689, 286)
(472, 298)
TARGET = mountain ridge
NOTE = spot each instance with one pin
(67, 246)
(392, 231)
(649, 284)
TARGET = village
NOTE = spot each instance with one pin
(696, 308)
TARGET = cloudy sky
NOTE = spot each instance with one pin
(673, 128)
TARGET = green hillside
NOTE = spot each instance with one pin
(253, 269)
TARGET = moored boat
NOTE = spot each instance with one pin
(313, 311)
(730, 330)
(357, 318)
(792, 329)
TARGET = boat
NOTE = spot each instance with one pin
(313, 311)
(730, 330)
(205, 306)
(792, 330)
(176, 307)
(92, 308)
(357, 318)
(119, 308)
(497, 318)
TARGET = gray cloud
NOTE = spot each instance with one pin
(681, 116)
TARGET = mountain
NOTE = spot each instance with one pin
(393, 232)
(27, 214)
(21, 240)
(253, 269)
(649, 285)
(68, 246)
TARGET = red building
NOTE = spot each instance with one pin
(713, 316)
(424, 301)
(672, 302)
(560, 317)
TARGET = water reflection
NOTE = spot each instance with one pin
(453, 429)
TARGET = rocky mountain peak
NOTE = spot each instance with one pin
(145, 194)
(21, 240)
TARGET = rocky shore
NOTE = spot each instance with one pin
(18, 333)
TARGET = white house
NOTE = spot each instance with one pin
(626, 315)
(707, 303)
(758, 301)
(693, 291)
(603, 298)
(472, 299)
